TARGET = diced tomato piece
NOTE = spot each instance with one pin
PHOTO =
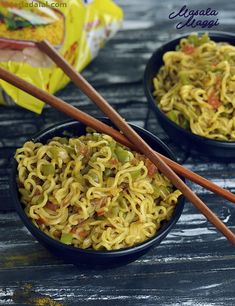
(101, 212)
(114, 161)
(151, 167)
(100, 203)
(188, 49)
(51, 206)
(214, 101)
(40, 221)
(83, 234)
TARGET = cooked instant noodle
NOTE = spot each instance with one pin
(196, 87)
(90, 191)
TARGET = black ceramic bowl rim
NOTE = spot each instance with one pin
(218, 36)
(55, 243)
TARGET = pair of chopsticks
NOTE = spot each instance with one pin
(129, 137)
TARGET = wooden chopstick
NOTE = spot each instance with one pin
(131, 134)
(105, 107)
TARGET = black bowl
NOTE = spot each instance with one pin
(224, 150)
(89, 256)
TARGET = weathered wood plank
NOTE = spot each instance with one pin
(133, 289)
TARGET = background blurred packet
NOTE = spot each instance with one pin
(77, 28)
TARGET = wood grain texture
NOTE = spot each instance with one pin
(194, 265)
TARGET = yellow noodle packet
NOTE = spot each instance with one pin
(78, 29)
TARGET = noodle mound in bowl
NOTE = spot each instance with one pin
(190, 85)
(90, 199)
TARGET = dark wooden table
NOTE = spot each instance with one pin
(194, 265)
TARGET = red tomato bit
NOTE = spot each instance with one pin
(40, 221)
(214, 101)
(188, 49)
(51, 206)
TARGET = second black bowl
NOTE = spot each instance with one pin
(89, 256)
(224, 150)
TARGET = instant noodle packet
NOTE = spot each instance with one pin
(78, 29)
